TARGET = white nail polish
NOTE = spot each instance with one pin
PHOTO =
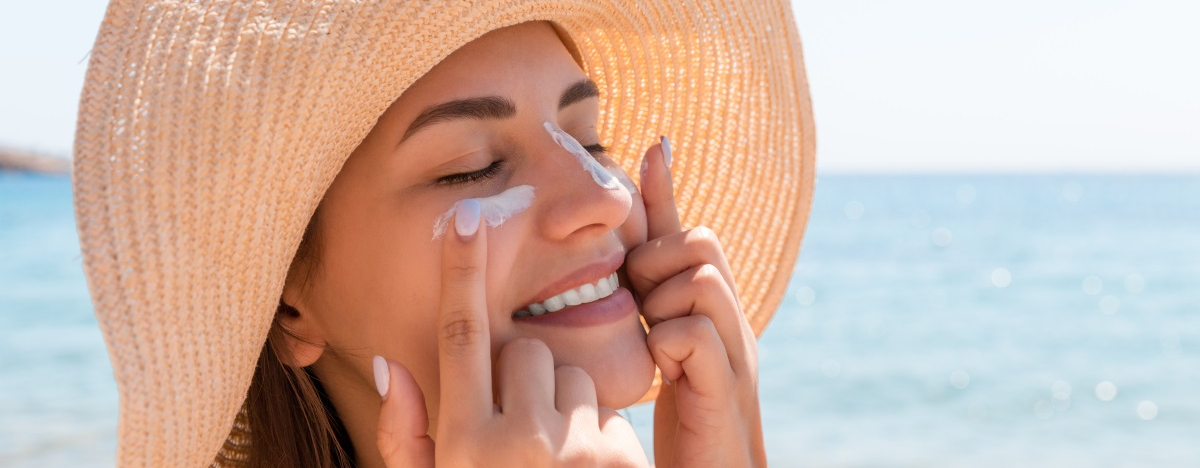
(383, 377)
(666, 150)
(495, 209)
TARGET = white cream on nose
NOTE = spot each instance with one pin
(600, 175)
(495, 209)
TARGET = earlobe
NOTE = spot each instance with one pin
(302, 338)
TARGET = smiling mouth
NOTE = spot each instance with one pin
(593, 282)
(583, 294)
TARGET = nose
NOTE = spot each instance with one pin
(574, 204)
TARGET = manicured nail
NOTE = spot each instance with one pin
(666, 150)
(383, 377)
(466, 217)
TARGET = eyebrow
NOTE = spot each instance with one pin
(578, 91)
(491, 107)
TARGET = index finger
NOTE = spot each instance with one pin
(662, 217)
(464, 342)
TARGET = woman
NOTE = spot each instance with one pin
(331, 235)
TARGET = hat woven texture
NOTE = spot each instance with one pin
(209, 131)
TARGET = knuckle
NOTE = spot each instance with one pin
(528, 424)
(531, 435)
(606, 413)
(702, 240)
(704, 232)
(709, 275)
(701, 328)
(540, 442)
(463, 269)
(527, 348)
(654, 337)
(461, 330)
(573, 374)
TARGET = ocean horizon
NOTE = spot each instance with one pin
(932, 320)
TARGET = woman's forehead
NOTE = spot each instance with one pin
(517, 66)
(509, 62)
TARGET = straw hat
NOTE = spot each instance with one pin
(208, 132)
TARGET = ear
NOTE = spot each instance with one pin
(304, 340)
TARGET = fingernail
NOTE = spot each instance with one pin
(466, 217)
(666, 381)
(642, 171)
(383, 377)
(666, 149)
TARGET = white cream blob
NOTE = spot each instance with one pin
(600, 175)
(625, 180)
(495, 209)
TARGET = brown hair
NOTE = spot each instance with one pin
(289, 418)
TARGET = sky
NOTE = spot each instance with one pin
(1021, 86)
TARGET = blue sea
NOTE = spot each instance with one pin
(931, 321)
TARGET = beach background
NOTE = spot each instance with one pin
(1002, 267)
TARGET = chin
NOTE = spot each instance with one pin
(627, 386)
(622, 370)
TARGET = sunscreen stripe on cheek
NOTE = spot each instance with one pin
(495, 209)
(600, 175)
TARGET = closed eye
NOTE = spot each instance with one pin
(596, 148)
(467, 177)
(496, 166)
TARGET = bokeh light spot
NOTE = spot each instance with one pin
(1147, 410)
(1001, 277)
(1106, 391)
(806, 296)
(1093, 285)
(960, 379)
(1061, 390)
(942, 236)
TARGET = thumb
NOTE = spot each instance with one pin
(662, 217)
(402, 437)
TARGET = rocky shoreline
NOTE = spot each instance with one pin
(26, 161)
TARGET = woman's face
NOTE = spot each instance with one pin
(376, 283)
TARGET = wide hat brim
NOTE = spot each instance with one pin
(209, 131)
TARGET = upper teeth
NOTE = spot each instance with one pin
(582, 295)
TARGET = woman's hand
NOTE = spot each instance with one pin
(545, 416)
(708, 414)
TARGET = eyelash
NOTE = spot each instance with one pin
(465, 177)
(495, 167)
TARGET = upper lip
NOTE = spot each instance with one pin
(590, 273)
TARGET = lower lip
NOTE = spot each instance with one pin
(611, 309)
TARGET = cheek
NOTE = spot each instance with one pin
(378, 292)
